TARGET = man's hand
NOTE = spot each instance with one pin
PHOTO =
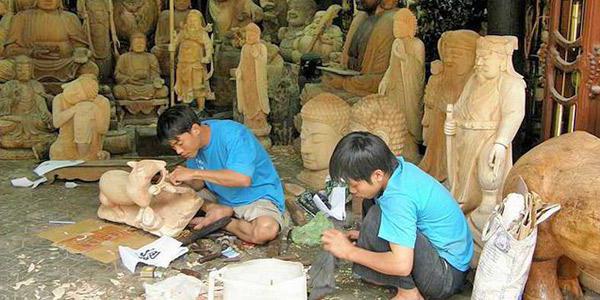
(181, 174)
(337, 243)
(215, 213)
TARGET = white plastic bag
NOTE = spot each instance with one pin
(180, 287)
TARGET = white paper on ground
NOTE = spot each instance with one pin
(51, 165)
(337, 199)
(71, 185)
(181, 287)
(25, 182)
(159, 253)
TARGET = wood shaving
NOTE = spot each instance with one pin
(24, 282)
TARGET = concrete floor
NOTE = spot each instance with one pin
(33, 269)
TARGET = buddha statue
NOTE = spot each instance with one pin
(55, 41)
(135, 16)
(25, 123)
(404, 80)
(300, 14)
(229, 15)
(162, 36)
(447, 80)
(6, 15)
(365, 55)
(325, 120)
(320, 37)
(137, 73)
(252, 85)
(481, 125)
(275, 17)
(83, 118)
(381, 116)
(195, 52)
(139, 200)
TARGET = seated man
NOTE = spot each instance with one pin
(414, 237)
(227, 159)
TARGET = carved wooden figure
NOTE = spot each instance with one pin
(139, 200)
(275, 17)
(135, 16)
(6, 15)
(320, 36)
(83, 118)
(252, 85)
(195, 52)
(564, 170)
(481, 128)
(26, 129)
(404, 79)
(325, 120)
(229, 15)
(300, 14)
(381, 116)
(447, 80)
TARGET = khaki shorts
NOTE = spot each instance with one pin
(249, 212)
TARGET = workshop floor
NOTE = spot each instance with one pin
(31, 268)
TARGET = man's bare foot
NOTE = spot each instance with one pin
(412, 294)
(215, 213)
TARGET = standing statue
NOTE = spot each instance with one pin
(366, 53)
(299, 15)
(252, 85)
(381, 116)
(21, 5)
(135, 16)
(53, 38)
(481, 126)
(195, 52)
(83, 118)
(138, 79)
(320, 37)
(97, 16)
(162, 36)
(275, 14)
(229, 15)
(25, 123)
(6, 15)
(404, 79)
(448, 78)
(325, 120)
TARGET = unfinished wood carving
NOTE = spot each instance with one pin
(83, 118)
(138, 200)
(320, 37)
(404, 79)
(300, 14)
(252, 85)
(26, 129)
(325, 120)
(447, 80)
(275, 17)
(564, 170)
(133, 16)
(381, 116)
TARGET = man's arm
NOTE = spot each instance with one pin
(197, 178)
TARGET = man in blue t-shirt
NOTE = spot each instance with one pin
(414, 237)
(226, 158)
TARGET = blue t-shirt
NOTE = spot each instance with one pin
(232, 146)
(414, 201)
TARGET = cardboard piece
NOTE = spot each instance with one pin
(96, 239)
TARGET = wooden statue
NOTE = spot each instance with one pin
(447, 80)
(229, 15)
(135, 16)
(564, 170)
(252, 85)
(162, 37)
(25, 123)
(53, 38)
(134, 199)
(325, 120)
(365, 55)
(6, 15)
(195, 52)
(481, 126)
(381, 116)
(97, 16)
(300, 14)
(320, 36)
(21, 5)
(404, 79)
(275, 17)
(83, 118)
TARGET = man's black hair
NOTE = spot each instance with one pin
(358, 155)
(174, 121)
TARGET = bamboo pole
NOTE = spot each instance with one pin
(171, 53)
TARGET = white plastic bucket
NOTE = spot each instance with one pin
(263, 279)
